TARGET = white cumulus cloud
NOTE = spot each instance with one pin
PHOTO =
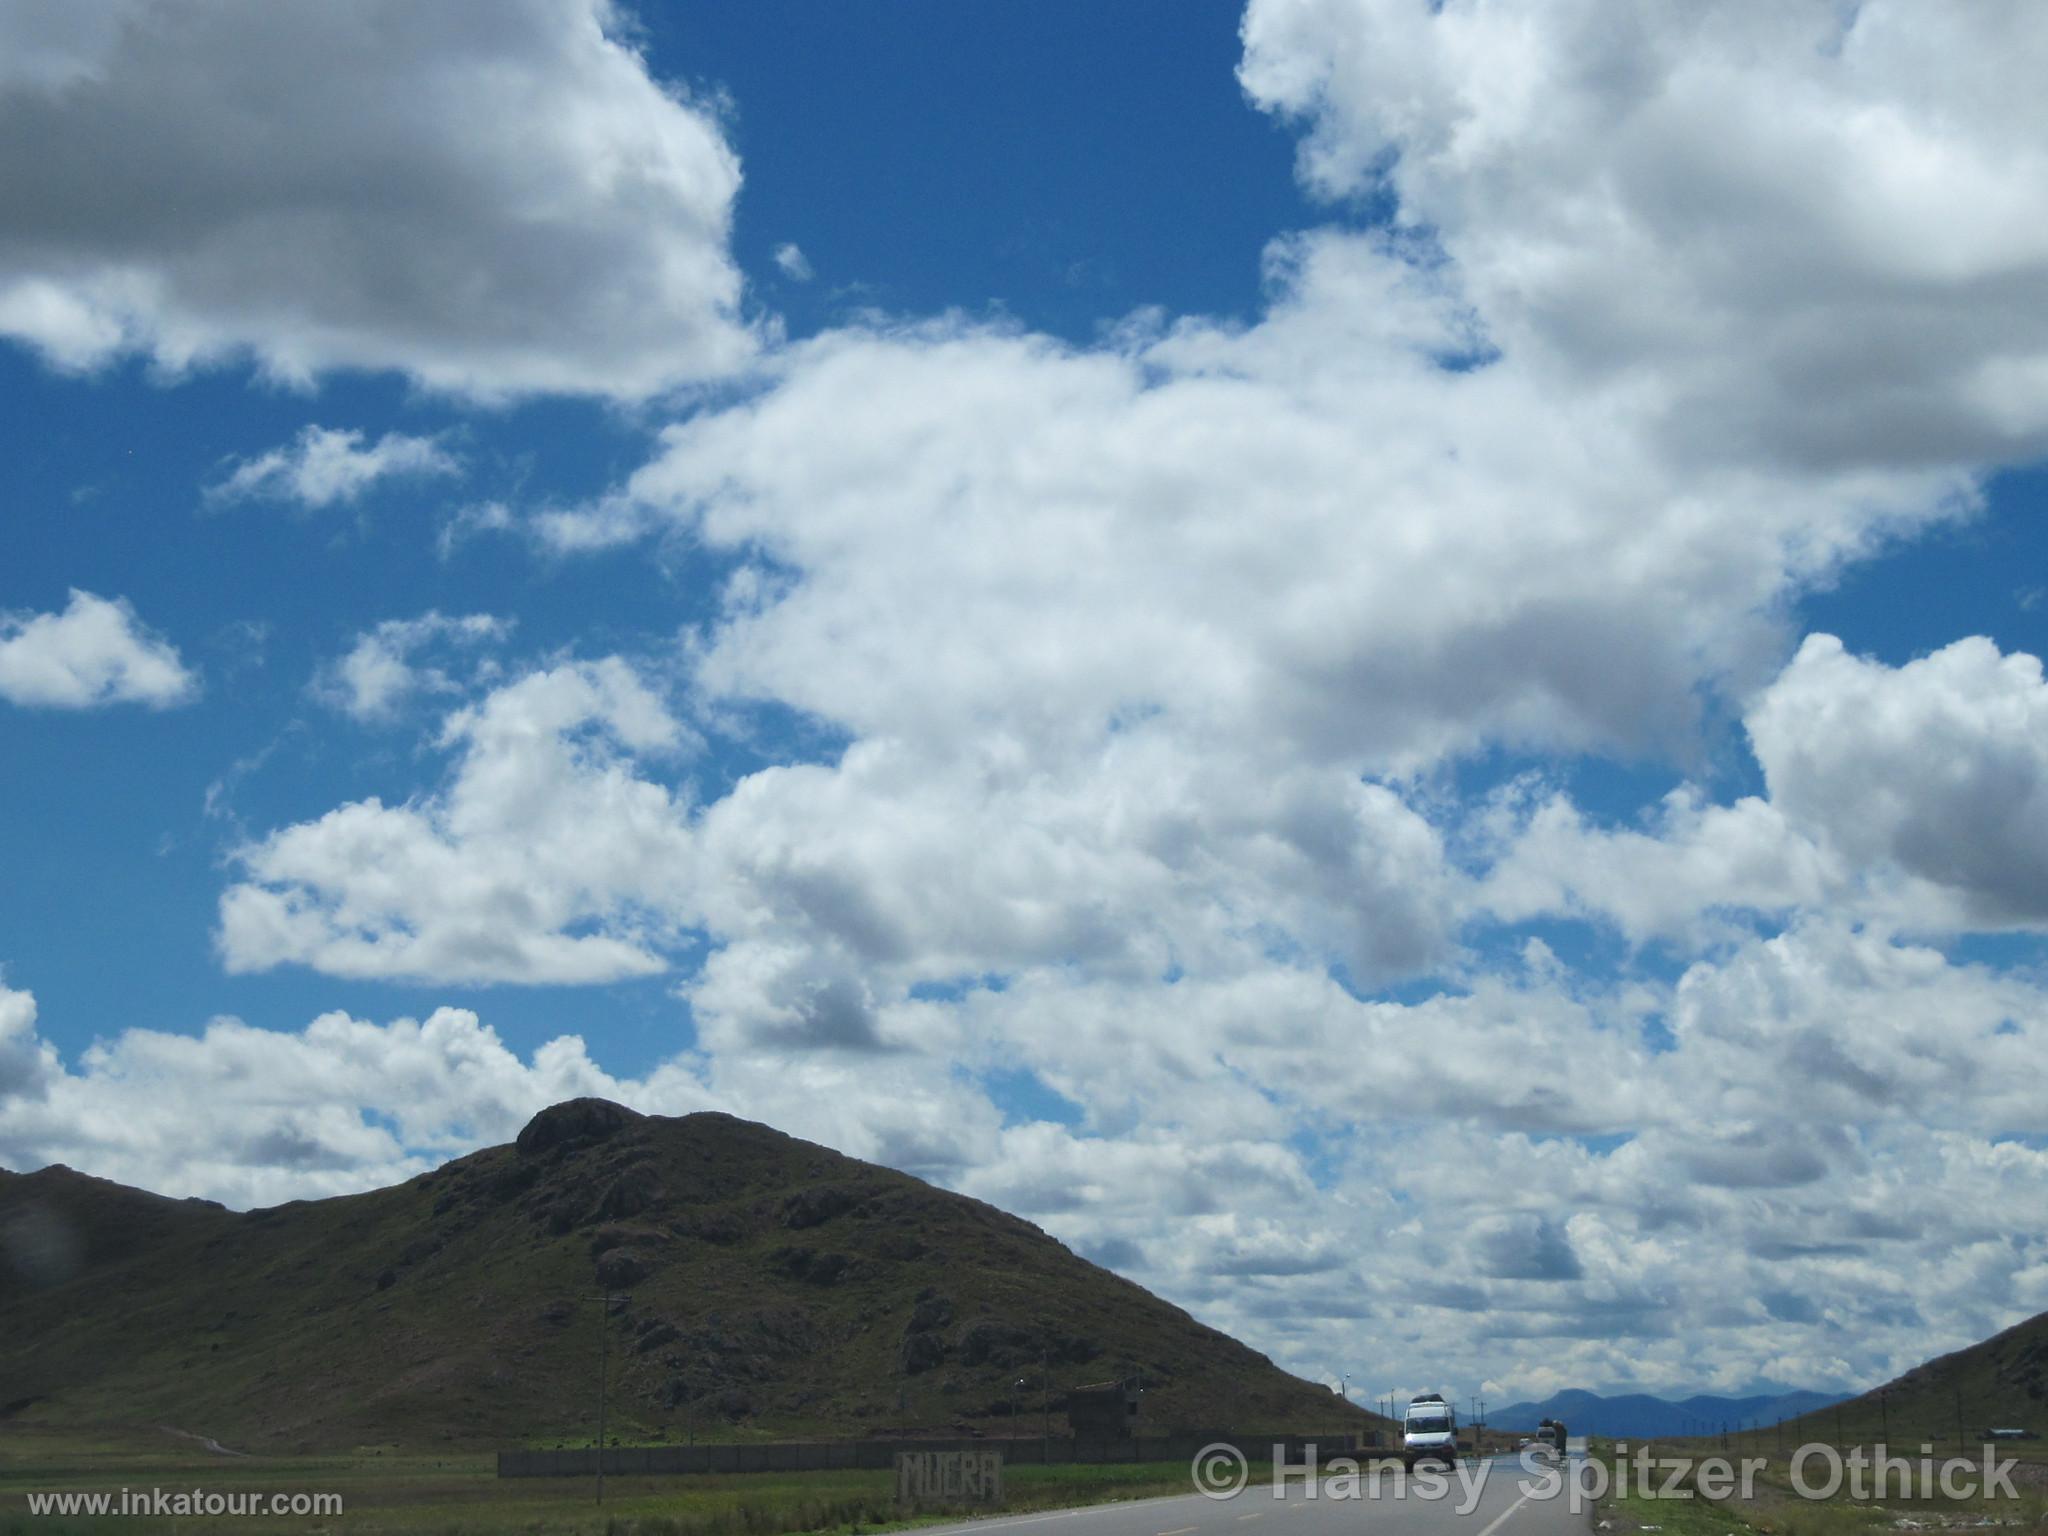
(1814, 231)
(378, 672)
(342, 1105)
(1687, 862)
(544, 829)
(1310, 534)
(95, 652)
(27, 1063)
(494, 199)
(1938, 768)
(1913, 796)
(323, 466)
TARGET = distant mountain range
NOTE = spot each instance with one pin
(1637, 1413)
(2001, 1383)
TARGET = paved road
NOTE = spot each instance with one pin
(1498, 1509)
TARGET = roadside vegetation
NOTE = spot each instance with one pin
(385, 1490)
(1776, 1508)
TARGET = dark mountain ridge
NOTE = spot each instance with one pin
(758, 1284)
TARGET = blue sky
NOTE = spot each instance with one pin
(1126, 608)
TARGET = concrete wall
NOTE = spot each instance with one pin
(825, 1455)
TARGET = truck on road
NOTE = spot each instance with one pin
(1429, 1431)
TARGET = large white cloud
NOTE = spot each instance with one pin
(543, 830)
(1133, 863)
(95, 652)
(1816, 231)
(494, 198)
(1870, 1031)
(1691, 869)
(254, 1116)
(827, 887)
(1938, 768)
(1913, 796)
(1310, 537)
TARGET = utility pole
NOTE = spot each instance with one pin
(1840, 1441)
(1959, 1415)
(1884, 1414)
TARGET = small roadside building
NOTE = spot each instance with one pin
(1104, 1410)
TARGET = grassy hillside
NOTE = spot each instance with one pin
(2002, 1382)
(762, 1285)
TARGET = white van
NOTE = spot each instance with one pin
(1429, 1431)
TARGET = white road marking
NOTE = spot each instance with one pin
(1113, 1507)
(1501, 1518)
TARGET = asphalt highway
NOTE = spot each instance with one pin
(1497, 1506)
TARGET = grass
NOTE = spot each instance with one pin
(2000, 1382)
(385, 1490)
(1776, 1507)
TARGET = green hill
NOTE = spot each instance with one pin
(2001, 1383)
(762, 1286)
